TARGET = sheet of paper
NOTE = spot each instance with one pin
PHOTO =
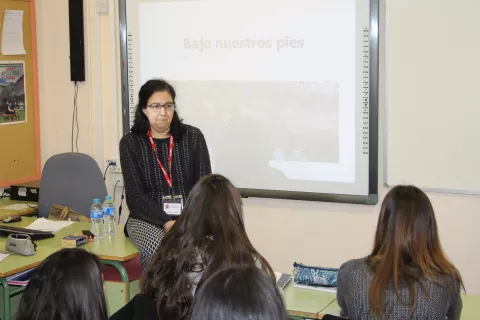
(18, 206)
(12, 33)
(4, 255)
(43, 224)
(324, 289)
(278, 275)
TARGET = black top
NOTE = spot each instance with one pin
(145, 184)
(141, 307)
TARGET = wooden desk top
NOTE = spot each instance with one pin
(117, 248)
(306, 303)
(6, 202)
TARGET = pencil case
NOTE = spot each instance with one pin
(21, 244)
(314, 276)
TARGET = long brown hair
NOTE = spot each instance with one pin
(209, 235)
(407, 247)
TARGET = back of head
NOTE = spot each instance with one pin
(66, 286)
(407, 246)
(208, 236)
(238, 293)
(213, 210)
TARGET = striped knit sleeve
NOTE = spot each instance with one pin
(202, 157)
(456, 306)
(145, 207)
(342, 291)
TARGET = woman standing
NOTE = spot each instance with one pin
(161, 160)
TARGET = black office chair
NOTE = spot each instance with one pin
(72, 180)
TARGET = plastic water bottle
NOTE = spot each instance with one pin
(109, 216)
(96, 215)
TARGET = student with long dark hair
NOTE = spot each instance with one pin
(162, 159)
(209, 235)
(66, 286)
(238, 293)
(407, 275)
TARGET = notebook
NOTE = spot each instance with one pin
(20, 279)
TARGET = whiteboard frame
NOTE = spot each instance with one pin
(372, 197)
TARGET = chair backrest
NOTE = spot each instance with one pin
(72, 180)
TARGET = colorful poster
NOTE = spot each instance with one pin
(13, 108)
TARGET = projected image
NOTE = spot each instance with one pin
(275, 86)
(274, 124)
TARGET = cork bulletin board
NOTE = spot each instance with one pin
(19, 109)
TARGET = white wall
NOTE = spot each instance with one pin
(56, 90)
(98, 114)
(284, 231)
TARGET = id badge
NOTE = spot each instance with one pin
(173, 205)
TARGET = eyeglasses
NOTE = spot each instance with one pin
(157, 106)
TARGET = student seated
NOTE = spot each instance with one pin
(209, 235)
(238, 293)
(407, 275)
(68, 285)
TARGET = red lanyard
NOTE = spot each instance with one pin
(170, 156)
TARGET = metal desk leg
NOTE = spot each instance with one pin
(6, 299)
(123, 273)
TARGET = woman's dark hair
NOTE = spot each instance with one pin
(238, 293)
(141, 123)
(209, 235)
(407, 248)
(66, 286)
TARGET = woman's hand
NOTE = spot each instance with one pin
(167, 226)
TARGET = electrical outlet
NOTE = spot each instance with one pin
(115, 166)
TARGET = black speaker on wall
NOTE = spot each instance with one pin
(77, 45)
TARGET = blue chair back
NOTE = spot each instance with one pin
(72, 180)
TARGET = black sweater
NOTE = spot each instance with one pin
(141, 307)
(145, 184)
